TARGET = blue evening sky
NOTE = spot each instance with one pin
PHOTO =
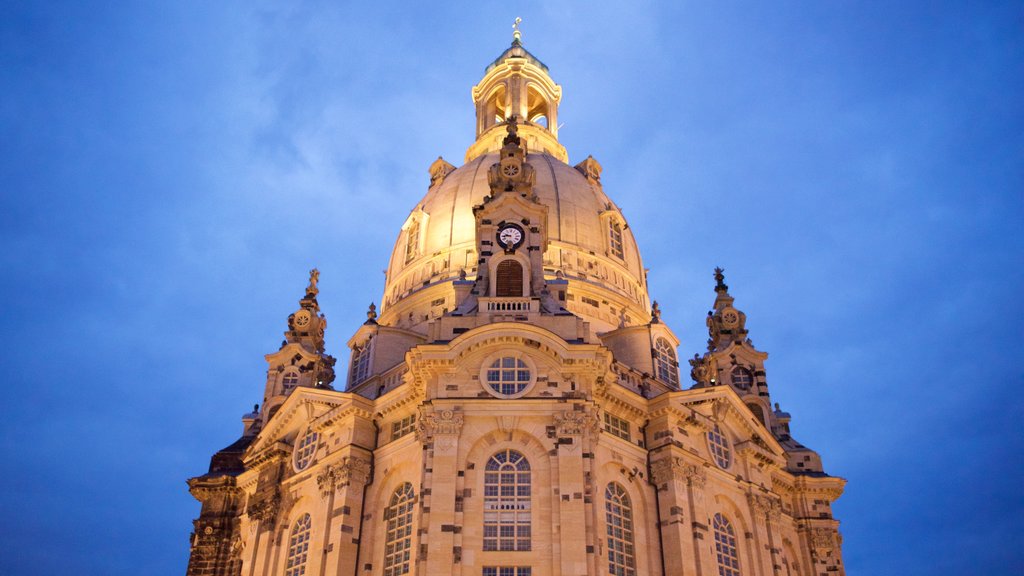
(171, 171)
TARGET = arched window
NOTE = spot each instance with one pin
(758, 413)
(304, 450)
(361, 362)
(615, 238)
(718, 444)
(298, 547)
(289, 380)
(507, 502)
(509, 281)
(618, 513)
(412, 241)
(398, 544)
(665, 358)
(741, 378)
(725, 547)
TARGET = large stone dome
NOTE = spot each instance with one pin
(437, 243)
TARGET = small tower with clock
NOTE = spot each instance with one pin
(301, 360)
(511, 227)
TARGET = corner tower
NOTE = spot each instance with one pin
(516, 408)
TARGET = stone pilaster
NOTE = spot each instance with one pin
(440, 429)
(682, 510)
(571, 428)
(341, 486)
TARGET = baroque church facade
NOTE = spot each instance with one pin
(517, 406)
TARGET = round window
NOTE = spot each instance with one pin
(741, 378)
(507, 376)
(289, 380)
(304, 450)
(718, 445)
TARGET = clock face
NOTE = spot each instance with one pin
(510, 236)
(730, 318)
(301, 319)
(510, 170)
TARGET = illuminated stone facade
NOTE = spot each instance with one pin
(517, 407)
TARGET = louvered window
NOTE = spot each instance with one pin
(509, 281)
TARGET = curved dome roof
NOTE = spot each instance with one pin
(439, 238)
(589, 242)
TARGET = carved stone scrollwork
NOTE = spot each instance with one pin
(665, 470)
(765, 505)
(668, 469)
(695, 476)
(237, 546)
(758, 504)
(575, 422)
(265, 510)
(327, 480)
(350, 470)
(353, 470)
(823, 541)
(437, 423)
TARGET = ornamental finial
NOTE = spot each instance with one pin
(720, 279)
(371, 313)
(314, 277)
(517, 36)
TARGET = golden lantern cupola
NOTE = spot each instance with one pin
(518, 85)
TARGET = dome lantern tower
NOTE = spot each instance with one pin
(517, 84)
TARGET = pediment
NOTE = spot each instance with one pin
(304, 407)
(721, 404)
(291, 354)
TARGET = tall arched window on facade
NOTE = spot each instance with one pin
(725, 547)
(507, 502)
(398, 542)
(509, 279)
(665, 359)
(618, 513)
(298, 547)
(615, 238)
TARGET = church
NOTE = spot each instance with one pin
(516, 406)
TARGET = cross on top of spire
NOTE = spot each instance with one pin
(517, 36)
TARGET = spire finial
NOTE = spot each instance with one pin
(655, 313)
(314, 277)
(720, 279)
(371, 313)
(517, 36)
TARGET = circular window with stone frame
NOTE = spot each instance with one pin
(718, 445)
(305, 449)
(508, 375)
(741, 378)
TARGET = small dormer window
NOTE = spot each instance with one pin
(615, 239)
(412, 241)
